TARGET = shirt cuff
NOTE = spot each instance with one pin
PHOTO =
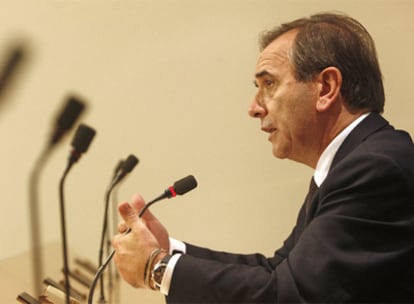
(177, 246)
(166, 279)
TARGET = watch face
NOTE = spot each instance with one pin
(158, 274)
(158, 271)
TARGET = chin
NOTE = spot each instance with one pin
(281, 151)
(279, 154)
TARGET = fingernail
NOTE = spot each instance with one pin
(125, 208)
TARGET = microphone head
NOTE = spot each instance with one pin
(129, 163)
(83, 138)
(66, 119)
(184, 185)
(16, 55)
(70, 113)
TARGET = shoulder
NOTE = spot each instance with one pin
(375, 147)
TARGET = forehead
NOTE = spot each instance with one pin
(276, 54)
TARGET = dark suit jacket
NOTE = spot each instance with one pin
(355, 243)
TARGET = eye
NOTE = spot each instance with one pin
(268, 83)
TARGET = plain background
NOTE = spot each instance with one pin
(169, 81)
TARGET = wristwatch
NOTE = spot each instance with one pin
(157, 272)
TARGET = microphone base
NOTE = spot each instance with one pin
(102, 301)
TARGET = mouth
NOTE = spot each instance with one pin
(270, 130)
(271, 133)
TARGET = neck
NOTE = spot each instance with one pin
(341, 123)
(330, 127)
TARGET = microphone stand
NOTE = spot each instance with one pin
(123, 168)
(80, 143)
(72, 160)
(104, 234)
(115, 220)
(114, 225)
(35, 234)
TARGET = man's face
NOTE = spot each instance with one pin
(285, 106)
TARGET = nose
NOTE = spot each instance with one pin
(256, 110)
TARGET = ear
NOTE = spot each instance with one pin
(330, 82)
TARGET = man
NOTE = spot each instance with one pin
(320, 95)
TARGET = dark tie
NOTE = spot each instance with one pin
(311, 192)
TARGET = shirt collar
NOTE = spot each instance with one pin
(327, 156)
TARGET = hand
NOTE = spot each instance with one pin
(134, 248)
(153, 224)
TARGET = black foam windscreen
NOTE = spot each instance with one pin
(67, 118)
(15, 57)
(129, 163)
(83, 137)
(185, 184)
(73, 108)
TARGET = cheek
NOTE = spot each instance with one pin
(279, 111)
(289, 114)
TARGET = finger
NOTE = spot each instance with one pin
(138, 203)
(128, 213)
(122, 227)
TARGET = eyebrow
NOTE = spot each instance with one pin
(262, 73)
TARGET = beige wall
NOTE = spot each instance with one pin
(170, 81)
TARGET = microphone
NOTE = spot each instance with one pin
(80, 143)
(122, 170)
(64, 122)
(180, 187)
